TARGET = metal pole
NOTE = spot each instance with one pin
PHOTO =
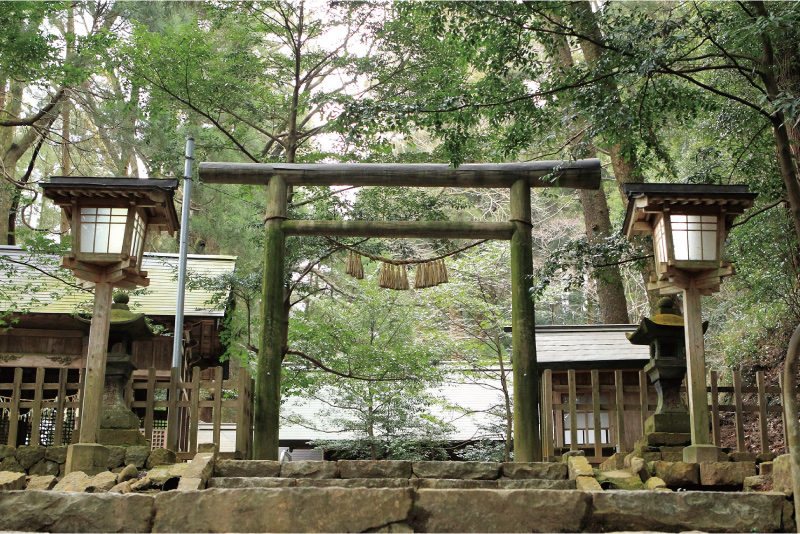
(790, 413)
(187, 195)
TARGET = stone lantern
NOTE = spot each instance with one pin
(663, 332)
(689, 224)
(109, 221)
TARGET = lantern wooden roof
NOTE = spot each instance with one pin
(645, 201)
(153, 195)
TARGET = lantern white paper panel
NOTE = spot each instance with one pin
(103, 230)
(694, 237)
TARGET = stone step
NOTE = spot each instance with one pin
(298, 509)
(415, 483)
(349, 469)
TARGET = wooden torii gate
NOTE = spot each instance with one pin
(518, 177)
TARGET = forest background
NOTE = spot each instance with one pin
(685, 92)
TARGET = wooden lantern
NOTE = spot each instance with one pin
(689, 224)
(109, 221)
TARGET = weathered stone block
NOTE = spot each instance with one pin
(579, 466)
(655, 483)
(159, 475)
(310, 469)
(766, 457)
(672, 454)
(161, 457)
(463, 470)
(56, 454)
(74, 481)
(137, 456)
(122, 487)
(11, 481)
(782, 474)
(742, 457)
(351, 482)
(757, 483)
(201, 466)
(681, 511)
(639, 468)
(44, 467)
(50, 511)
(251, 482)
(530, 470)
(276, 510)
(116, 456)
(27, 455)
(501, 511)
(7, 452)
(452, 483)
(725, 473)
(619, 480)
(615, 461)
(765, 468)
(129, 472)
(583, 483)
(102, 482)
(41, 482)
(375, 469)
(657, 439)
(668, 422)
(207, 447)
(677, 473)
(89, 458)
(536, 483)
(247, 468)
(704, 453)
(569, 454)
(11, 464)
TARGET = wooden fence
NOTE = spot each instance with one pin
(175, 402)
(599, 426)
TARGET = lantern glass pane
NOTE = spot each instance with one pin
(694, 237)
(660, 241)
(138, 236)
(103, 230)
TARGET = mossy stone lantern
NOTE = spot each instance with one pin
(109, 220)
(689, 224)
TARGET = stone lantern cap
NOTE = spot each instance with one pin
(125, 325)
(664, 324)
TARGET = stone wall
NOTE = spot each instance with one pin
(43, 461)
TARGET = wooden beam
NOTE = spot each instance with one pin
(580, 174)
(418, 229)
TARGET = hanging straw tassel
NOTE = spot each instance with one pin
(383, 278)
(358, 267)
(348, 265)
(403, 281)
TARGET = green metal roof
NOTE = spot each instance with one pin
(37, 292)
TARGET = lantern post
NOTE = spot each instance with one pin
(109, 221)
(689, 224)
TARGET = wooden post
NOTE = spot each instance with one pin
(13, 412)
(172, 410)
(527, 438)
(216, 414)
(194, 410)
(622, 441)
(268, 371)
(738, 406)
(573, 410)
(762, 411)
(36, 410)
(547, 414)
(95, 377)
(61, 400)
(596, 415)
(715, 430)
(643, 397)
(148, 410)
(696, 367)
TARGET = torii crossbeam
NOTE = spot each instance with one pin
(518, 177)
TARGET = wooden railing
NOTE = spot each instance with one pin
(57, 405)
(627, 401)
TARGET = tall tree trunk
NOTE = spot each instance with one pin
(596, 218)
(622, 151)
